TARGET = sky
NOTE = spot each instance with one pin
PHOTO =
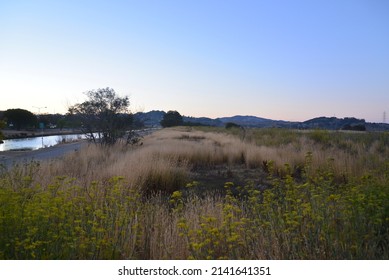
(283, 60)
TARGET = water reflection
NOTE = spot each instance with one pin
(35, 143)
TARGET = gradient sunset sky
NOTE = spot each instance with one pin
(290, 60)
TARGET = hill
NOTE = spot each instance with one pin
(153, 119)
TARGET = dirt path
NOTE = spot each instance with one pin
(9, 158)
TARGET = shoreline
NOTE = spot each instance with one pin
(10, 157)
(22, 134)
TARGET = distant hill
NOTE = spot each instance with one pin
(377, 127)
(203, 121)
(248, 121)
(335, 123)
(149, 119)
(153, 119)
(252, 121)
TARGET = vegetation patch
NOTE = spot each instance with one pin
(201, 193)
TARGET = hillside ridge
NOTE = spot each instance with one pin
(154, 117)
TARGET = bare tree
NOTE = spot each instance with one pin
(105, 117)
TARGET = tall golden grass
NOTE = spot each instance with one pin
(321, 195)
(173, 152)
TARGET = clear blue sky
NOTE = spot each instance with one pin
(291, 60)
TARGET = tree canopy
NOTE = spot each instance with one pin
(230, 125)
(20, 118)
(105, 116)
(2, 125)
(172, 118)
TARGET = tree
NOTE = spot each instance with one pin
(2, 125)
(230, 125)
(355, 127)
(20, 118)
(172, 118)
(105, 116)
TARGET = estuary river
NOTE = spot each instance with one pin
(35, 143)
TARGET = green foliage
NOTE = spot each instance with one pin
(310, 219)
(311, 216)
(230, 125)
(20, 118)
(214, 238)
(172, 118)
(2, 125)
(356, 127)
(320, 136)
(65, 221)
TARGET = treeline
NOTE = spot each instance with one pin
(21, 119)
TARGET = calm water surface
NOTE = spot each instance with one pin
(35, 143)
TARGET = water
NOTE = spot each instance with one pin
(35, 143)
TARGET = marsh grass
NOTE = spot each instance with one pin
(282, 194)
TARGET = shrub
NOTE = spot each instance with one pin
(231, 125)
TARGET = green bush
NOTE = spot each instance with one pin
(64, 221)
(315, 218)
